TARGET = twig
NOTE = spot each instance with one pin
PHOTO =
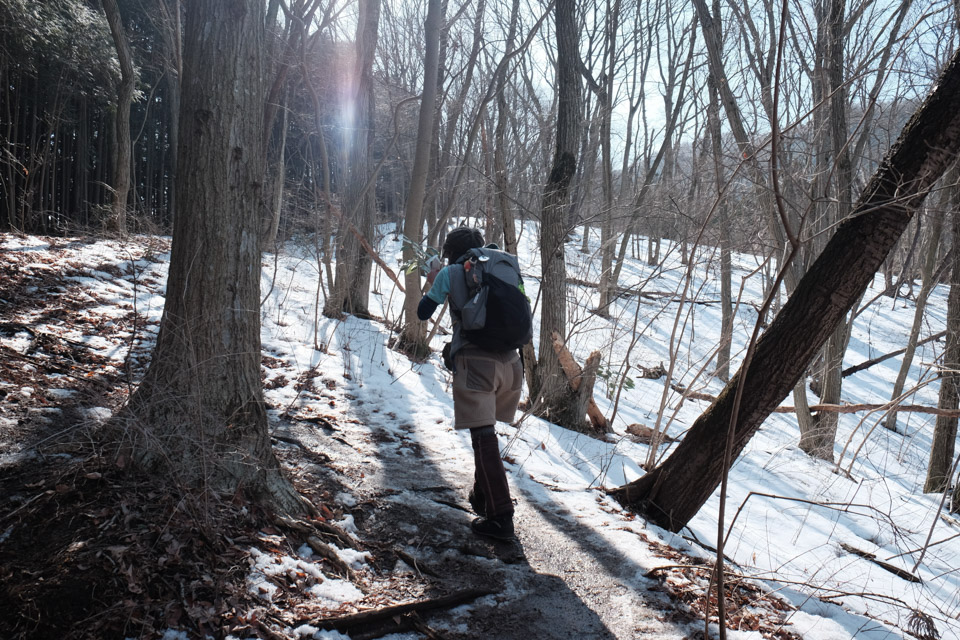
(325, 550)
(21, 507)
(416, 565)
(897, 571)
(866, 364)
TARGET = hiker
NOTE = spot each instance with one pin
(486, 381)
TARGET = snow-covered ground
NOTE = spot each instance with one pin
(787, 515)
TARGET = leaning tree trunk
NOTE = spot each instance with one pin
(551, 393)
(198, 417)
(671, 494)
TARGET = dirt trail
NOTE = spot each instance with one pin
(562, 585)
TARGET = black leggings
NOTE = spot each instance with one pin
(490, 480)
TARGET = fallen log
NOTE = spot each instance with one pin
(357, 621)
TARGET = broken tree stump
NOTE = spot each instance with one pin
(577, 376)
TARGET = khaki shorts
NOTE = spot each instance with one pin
(486, 387)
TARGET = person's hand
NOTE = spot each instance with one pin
(434, 267)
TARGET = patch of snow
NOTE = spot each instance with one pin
(61, 394)
(346, 499)
(347, 524)
(333, 592)
(353, 558)
(97, 414)
(333, 635)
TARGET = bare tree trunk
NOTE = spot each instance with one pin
(499, 142)
(414, 334)
(170, 30)
(551, 392)
(199, 415)
(605, 98)
(671, 494)
(945, 431)
(351, 289)
(726, 268)
(276, 176)
(121, 145)
(836, 162)
(926, 287)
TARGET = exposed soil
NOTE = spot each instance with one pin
(90, 549)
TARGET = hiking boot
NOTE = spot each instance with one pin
(477, 503)
(499, 527)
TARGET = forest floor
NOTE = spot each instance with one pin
(90, 548)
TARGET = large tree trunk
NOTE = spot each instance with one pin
(671, 494)
(351, 289)
(199, 416)
(551, 391)
(169, 25)
(120, 145)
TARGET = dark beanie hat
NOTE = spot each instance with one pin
(459, 241)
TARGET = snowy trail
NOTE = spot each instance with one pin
(415, 474)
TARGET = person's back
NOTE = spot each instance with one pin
(486, 388)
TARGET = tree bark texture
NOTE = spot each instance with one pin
(671, 494)
(352, 286)
(552, 391)
(499, 143)
(945, 430)
(199, 414)
(170, 25)
(120, 145)
(413, 332)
